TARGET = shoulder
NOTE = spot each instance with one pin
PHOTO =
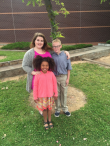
(38, 76)
(48, 53)
(63, 53)
(54, 55)
(50, 73)
(30, 51)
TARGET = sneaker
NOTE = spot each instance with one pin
(57, 114)
(67, 114)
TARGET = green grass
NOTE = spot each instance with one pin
(23, 125)
(25, 46)
(11, 55)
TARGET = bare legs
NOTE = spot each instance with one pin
(45, 113)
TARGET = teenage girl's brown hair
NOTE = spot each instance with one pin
(45, 47)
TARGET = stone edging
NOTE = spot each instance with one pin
(101, 44)
(8, 63)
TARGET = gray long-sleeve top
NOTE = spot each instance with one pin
(27, 65)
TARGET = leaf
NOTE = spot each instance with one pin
(29, 2)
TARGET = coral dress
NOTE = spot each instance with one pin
(45, 86)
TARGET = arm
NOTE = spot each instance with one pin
(55, 87)
(68, 78)
(35, 88)
(68, 71)
(67, 54)
(27, 62)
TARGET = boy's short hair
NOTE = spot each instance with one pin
(56, 40)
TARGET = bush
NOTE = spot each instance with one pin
(25, 46)
(17, 46)
(74, 47)
(108, 42)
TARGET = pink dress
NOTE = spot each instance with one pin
(45, 86)
(47, 54)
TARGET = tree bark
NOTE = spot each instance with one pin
(51, 17)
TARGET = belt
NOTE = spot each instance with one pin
(60, 75)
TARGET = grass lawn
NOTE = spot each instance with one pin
(21, 125)
(11, 55)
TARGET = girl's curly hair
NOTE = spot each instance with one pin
(38, 60)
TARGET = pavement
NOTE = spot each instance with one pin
(14, 68)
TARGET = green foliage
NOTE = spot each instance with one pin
(54, 25)
(74, 47)
(17, 45)
(103, 1)
(21, 124)
(25, 45)
(33, 2)
(108, 42)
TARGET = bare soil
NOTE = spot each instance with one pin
(2, 57)
(75, 98)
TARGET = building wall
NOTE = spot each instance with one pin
(88, 21)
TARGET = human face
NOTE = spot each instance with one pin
(56, 47)
(44, 66)
(39, 42)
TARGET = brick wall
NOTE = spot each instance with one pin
(88, 22)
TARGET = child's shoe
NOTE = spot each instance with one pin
(68, 114)
(57, 114)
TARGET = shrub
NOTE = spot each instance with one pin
(108, 42)
(17, 46)
(25, 46)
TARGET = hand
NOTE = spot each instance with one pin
(55, 97)
(67, 54)
(36, 100)
(35, 72)
(67, 82)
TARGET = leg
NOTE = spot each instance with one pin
(45, 115)
(64, 93)
(49, 118)
(49, 114)
(57, 102)
(45, 119)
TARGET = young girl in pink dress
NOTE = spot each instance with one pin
(45, 87)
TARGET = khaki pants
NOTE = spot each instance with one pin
(61, 101)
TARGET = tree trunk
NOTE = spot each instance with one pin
(51, 17)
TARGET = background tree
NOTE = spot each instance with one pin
(55, 33)
(104, 1)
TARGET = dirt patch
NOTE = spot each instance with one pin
(2, 57)
(75, 99)
(76, 62)
(104, 60)
(13, 78)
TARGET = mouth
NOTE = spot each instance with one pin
(44, 69)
